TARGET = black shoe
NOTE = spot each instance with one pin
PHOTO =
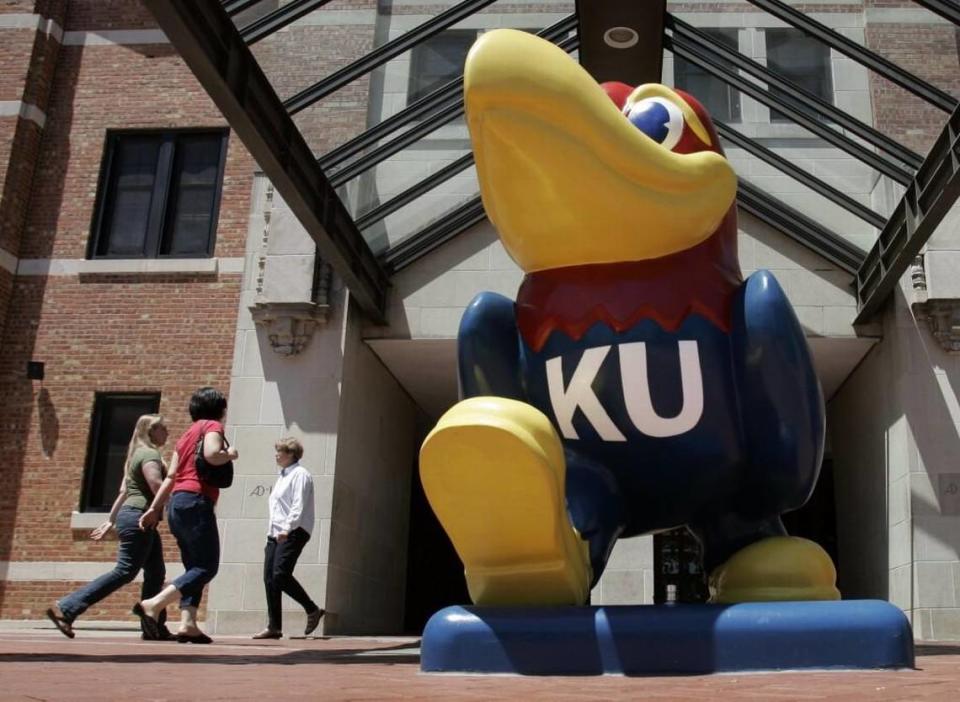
(313, 620)
(200, 638)
(148, 625)
(62, 623)
(164, 634)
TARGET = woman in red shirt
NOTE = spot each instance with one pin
(191, 516)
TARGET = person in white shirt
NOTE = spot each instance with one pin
(291, 521)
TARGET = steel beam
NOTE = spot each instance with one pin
(799, 227)
(860, 54)
(451, 111)
(948, 9)
(382, 54)
(622, 41)
(806, 98)
(424, 107)
(434, 235)
(414, 191)
(926, 202)
(278, 19)
(774, 159)
(234, 7)
(209, 43)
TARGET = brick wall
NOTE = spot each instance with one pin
(98, 88)
(929, 52)
(166, 333)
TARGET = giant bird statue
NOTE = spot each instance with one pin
(638, 382)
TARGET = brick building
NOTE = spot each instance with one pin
(143, 254)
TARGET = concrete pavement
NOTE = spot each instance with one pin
(110, 662)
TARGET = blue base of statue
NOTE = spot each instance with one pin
(667, 639)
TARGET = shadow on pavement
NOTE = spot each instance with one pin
(390, 655)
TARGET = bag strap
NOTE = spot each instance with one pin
(203, 435)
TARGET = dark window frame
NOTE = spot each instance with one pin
(418, 57)
(828, 91)
(730, 36)
(161, 194)
(97, 443)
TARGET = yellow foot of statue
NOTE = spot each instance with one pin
(778, 568)
(493, 471)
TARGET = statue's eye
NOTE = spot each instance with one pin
(658, 118)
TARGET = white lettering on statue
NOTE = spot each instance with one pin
(579, 393)
(636, 393)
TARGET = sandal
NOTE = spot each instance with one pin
(149, 625)
(62, 623)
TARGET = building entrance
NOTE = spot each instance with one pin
(434, 571)
(678, 576)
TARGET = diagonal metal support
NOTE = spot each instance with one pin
(278, 19)
(799, 227)
(872, 136)
(424, 107)
(926, 202)
(453, 110)
(774, 159)
(206, 39)
(235, 7)
(382, 54)
(948, 9)
(794, 110)
(861, 55)
(434, 235)
(414, 191)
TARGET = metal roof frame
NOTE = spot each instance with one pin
(380, 55)
(693, 51)
(804, 97)
(860, 54)
(210, 44)
(926, 202)
(278, 19)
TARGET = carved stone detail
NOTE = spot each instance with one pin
(943, 318)
(289, 325)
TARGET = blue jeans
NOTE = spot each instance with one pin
(138, 549)
(194, 525)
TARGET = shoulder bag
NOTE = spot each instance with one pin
(218, 476)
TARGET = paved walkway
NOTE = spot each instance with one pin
(103, 664)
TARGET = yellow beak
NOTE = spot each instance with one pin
(565, 177)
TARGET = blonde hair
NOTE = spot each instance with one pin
(141, 435)
(290, 445)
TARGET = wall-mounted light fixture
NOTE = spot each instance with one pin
(35, 370)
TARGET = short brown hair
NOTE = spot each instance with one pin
(290, 445)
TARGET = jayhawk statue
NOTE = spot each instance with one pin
(637, 383)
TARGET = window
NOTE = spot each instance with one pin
(114, 418)
(438, 60)
(802, 60)
(721, 100)
(159, 194)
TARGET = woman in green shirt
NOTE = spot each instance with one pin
(143, 473)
